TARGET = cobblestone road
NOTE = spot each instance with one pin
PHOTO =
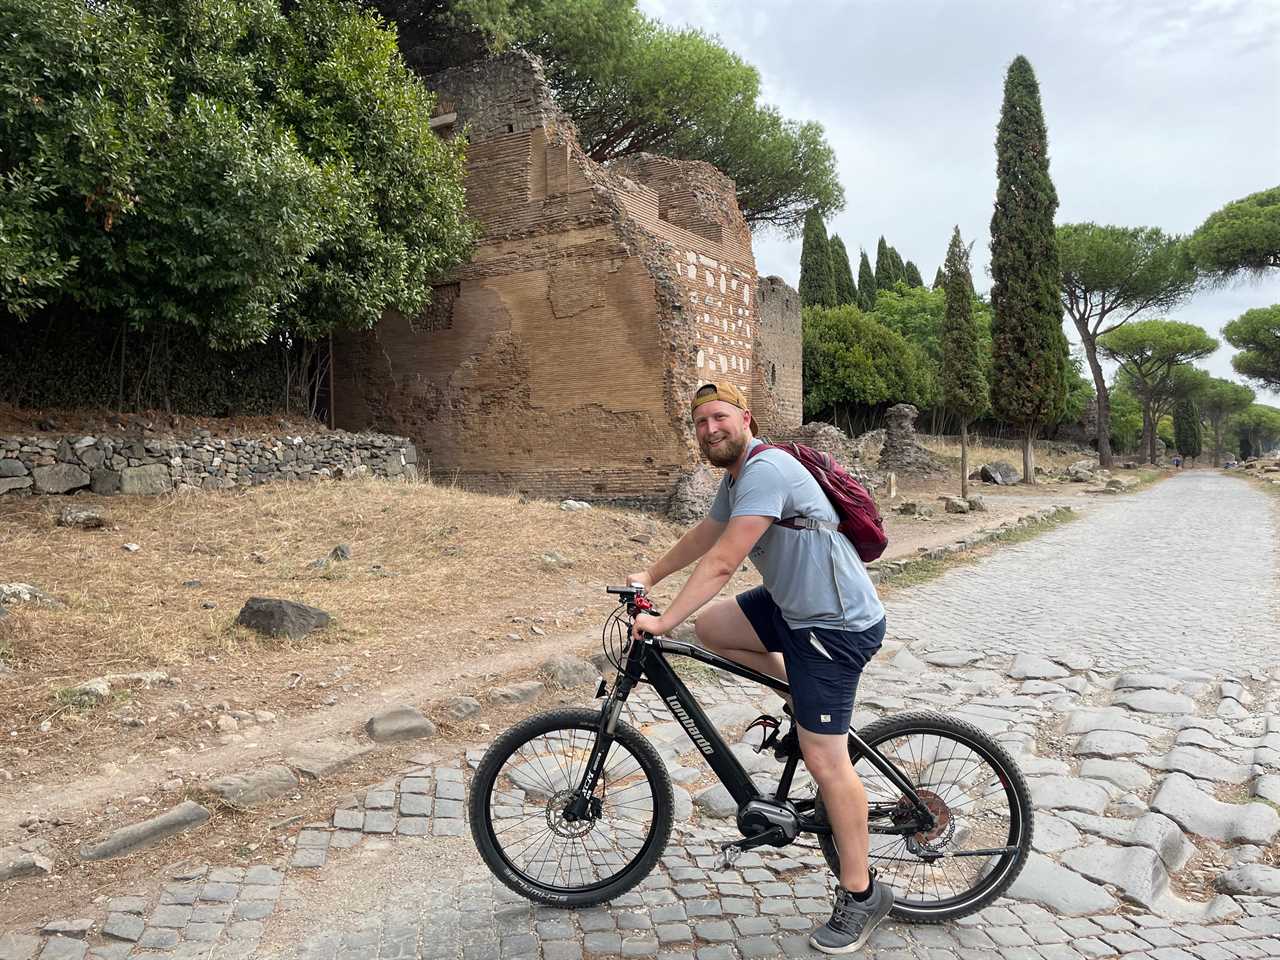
(1122, 659)
(1183, 574)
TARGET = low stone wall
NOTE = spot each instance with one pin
(160, 464)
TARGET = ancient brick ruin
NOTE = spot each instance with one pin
(559, 360)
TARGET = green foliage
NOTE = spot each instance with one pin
(1126, 418)
(846, 290)
(817, 280)
(911, 273)
(964, 385)
(1164, 433)
(866, 283)
(886, 270)
(1220, 400)
(1186, 428)
(851, 363)
(1244, 236)
(220, 170)
(1079, 391)
(938, 280)
(1028, 385)
(1256, 334)
(1258, 428)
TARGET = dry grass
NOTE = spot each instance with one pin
(979, 454)
(436, 576)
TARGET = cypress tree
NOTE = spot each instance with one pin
(817, 282)
(1030, 369)
(846, 290)
(938, 280)
(1186, 428)
(884, 266)
(964, 386)
(899, 268)
(866, 284)
(911, 274)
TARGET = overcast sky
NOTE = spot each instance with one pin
(1159, 112)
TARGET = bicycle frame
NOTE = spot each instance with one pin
(645, 661)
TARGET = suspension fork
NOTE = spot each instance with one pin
(580, 807)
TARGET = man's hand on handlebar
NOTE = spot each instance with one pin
(642, 578)
(647, 623)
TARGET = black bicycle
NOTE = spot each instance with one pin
(573, 807)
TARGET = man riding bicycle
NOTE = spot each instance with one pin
(815, 623)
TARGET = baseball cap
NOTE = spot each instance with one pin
(719, 390)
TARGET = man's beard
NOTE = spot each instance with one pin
(726, 453)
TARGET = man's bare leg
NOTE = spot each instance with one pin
(724, 629)
(827, 758)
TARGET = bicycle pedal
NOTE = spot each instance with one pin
(729, 855)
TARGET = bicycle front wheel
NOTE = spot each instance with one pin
(524, 783)
(982, 816)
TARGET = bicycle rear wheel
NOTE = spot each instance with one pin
(521, 789)
(980, 802)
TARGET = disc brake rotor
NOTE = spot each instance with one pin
(566, 828)
(944, 827)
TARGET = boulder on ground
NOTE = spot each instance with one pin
(84, 519)
(999, 472)
(281, 618)
(396, 723)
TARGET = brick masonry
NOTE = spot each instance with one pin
(558, 361)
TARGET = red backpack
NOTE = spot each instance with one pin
(859, 519)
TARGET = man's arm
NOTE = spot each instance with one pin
(710, 575)
(688, 548)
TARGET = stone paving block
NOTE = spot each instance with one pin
(350, 819)
(449, 808)
(219, 892)
(561, 950)
(379, 821)
(18, 946)
(308, 858)
(413, 826)
(1093, 948)
(450, 790)
(415, 805)
(599, 942)
(64, 948)
(752, 948)
(123, 926)
(716, 951)
(448, 828)
(127, 904)
(138, 836)
(596, 920)
(714, 931)
(111, 951)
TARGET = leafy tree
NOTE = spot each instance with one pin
(1028, 386)
(1126, 418)
(938, 280)
(866, 283)
(1111, 275)
(854, 365)
(911, 273)
(919, 315)
(1244, 236)
(964, 386)
(1221, 400)
(1259, 429)
(231, 175)
(1256, 334)
(846, 290)
(817, 280)
(1186, 428)
(632, 84)
(1148, 351)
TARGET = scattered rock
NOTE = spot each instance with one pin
(1155, 701)
(32, 858)
(1136, 871)
(12, 593)
(574, 505)
(59, 478)
(276, 618)
(68, 928)
(1058, 889)
(459, 708)
(715, 801)
(523, 692)
(148, 480)
(956, 505)
(1068, 793)
(84, 519)
(321, 758)
(977, 503)
(1251, 879)
(566, 671)
(1196, 811)
(137, 836)
(131, 547)
(399, 723)
(1029, 667)
(1000, 473)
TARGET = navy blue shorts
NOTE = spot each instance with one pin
(823, 665)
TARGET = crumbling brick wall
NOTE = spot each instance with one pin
(777, 379)
(559, 360)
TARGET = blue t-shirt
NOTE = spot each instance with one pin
(814, 576)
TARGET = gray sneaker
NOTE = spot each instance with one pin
(852, 921)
